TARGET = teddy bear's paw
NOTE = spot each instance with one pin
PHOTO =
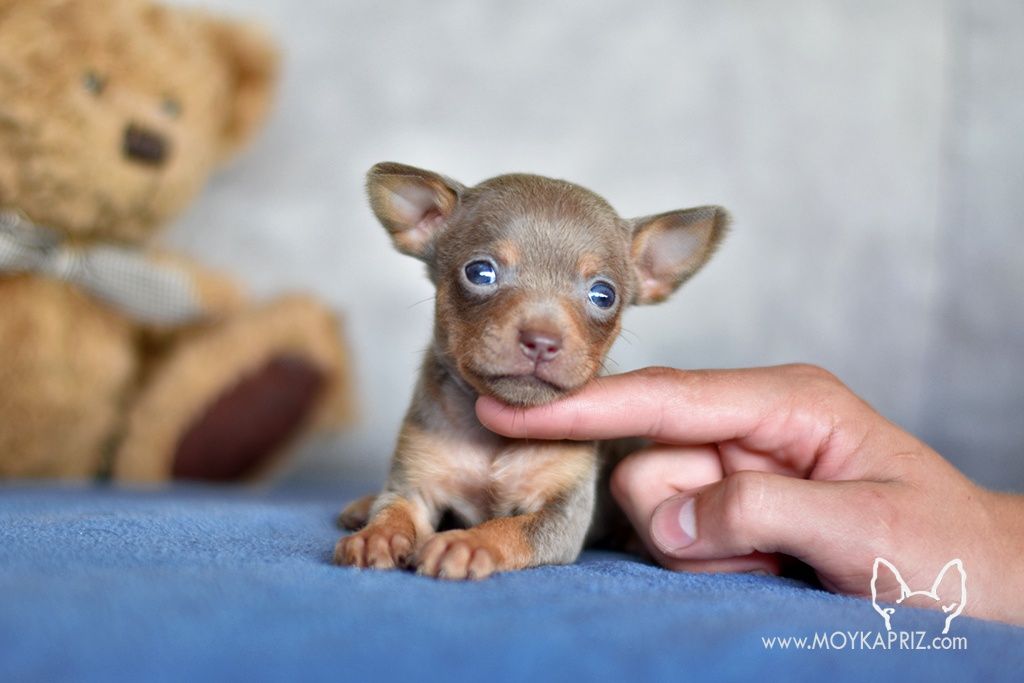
(374, 549)
(250, 422)
(457, 554)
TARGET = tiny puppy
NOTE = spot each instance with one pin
(532, 276)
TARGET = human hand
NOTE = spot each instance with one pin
(748, 464)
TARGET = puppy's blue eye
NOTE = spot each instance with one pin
(602, 295)
(481, 273)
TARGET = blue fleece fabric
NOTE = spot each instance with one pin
(192, 584)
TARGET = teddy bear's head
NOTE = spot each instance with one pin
(114, 112)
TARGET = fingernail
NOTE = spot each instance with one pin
(674, 524)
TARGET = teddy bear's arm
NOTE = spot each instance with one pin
(218, 293)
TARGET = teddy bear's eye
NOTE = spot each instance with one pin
(171, 107)
(94, 83)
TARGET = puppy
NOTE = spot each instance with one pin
(532, 276)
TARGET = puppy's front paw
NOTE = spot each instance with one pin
(457, 554)
(374, 548)
(356, 514)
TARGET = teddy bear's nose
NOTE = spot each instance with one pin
(144, 146)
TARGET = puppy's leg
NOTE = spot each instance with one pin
(552, 535)
(356, 514)
(388, 540)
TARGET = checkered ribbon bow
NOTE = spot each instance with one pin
(121, 277)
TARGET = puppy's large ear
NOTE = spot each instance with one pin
(413, 204)
(671, 247)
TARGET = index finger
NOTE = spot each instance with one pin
(685, 407)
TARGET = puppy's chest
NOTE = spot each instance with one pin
(479, 481)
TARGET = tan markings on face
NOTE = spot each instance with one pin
(485, 344)
(589, 265)
(549, 239)
(595, 337)
(507, 253)
(495, 349)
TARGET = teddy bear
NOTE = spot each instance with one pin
(116, 356)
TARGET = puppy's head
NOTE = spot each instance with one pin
(533, 274)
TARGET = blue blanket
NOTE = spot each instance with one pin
(194, 583)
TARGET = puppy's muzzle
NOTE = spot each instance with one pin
(539, 347)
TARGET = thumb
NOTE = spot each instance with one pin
(750, 511)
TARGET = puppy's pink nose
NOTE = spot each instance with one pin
(539, 347)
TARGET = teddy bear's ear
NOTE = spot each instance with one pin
(6, 178)
(252, 59)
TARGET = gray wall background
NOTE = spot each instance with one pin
(871, 152)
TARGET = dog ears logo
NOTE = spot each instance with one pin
(952, 600)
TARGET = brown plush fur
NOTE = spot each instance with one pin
(80, 381)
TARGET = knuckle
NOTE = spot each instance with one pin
(817, 395)
(656, 376)
(814, 373)
(656, 372)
